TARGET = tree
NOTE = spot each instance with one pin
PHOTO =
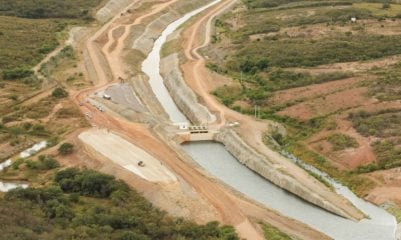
(17, 73)
(60, 93)
(66, 148)
(386, 5)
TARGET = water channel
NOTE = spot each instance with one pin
(219, 162)
(7, 186)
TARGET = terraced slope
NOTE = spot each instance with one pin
(328, 71)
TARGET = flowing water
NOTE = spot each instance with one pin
(219, 162)
(216, 160)
(151, 67)
(7, 186)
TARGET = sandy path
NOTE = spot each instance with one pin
(93, 49)
(127, 155)
(104, 77)
(114, 57)
(251, 130)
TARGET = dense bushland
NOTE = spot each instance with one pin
(90, 205)
(309, 53)
(48, 8)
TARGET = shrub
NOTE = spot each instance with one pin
(59, 93)
(47, 163)
(388, 154)
(384, 123)
(52, 141)
(17, 163)
(341, 141)
(39, 130)
(274, 233)
(17, 73)
(43, 163)
(7, 119)
(386, 5)
(66, 148)
(89, 183)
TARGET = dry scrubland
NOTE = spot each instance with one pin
(332, 82)
(34, 106)
(28, 32)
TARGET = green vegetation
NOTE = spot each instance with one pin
(272, 233)
(273, 46)
(357, 183)
(307, 53)
(43, 163)
(388, 152)
(396, 211)
(24, 42)
(59, 92)
(36, 111)
(388, 86)
(24, 129)
(66, 148)
(262, 60)
(36, 122)
(90, 205)
(381, 9)
(383, 124)
(341, 141)
(48, 68)
(48, 8)
(16, 73)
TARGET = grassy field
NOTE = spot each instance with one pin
(48, 8)
(24, 42)
(380, 10)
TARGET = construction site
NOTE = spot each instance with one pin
(154, 123)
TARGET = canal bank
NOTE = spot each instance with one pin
(381, 226)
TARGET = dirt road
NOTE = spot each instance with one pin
(108, 67)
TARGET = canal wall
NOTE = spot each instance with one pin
(261, 165)
(110, 9)
(145, 42)
(182, 95)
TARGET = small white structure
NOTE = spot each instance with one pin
(353, 19)
(107, 97)
(233, 124)
(182, 125)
